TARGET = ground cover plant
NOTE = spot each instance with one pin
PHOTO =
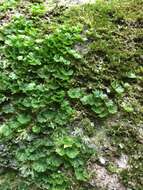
(60, 85)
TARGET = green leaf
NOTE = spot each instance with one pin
(2, 98)
(37, 9)
(103, 114)
(75, 54)
(61, 59)
(75, 93)
(81, 174)
(63, 74)
(21, 156)
(131, 75)
(98, 94)
(54, 160)
(117, 87)
(39, 166)
(36, 129)
(60, 151)
(57, 179)
(67, 141)
(14, 124)
(127, 107)
(8, 108)
(98, 110)
(29, 87)
(112, 108)
(23, 119)
(5, 130)
(98, 103)
(59, 96)
(77, 163)
(88, 99)
(32, 60)
(71, 152)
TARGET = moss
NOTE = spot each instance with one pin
(113, 168)
(111, 53)
(126, 139)
(88, 127)
(113, 32)
(9, 180)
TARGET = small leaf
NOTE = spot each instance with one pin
(127, 107)
(5, 130)
(8, 108)
(97, 93)
(117, 87)
(20, 58)
(74, 54)
(23, 119)
(14, 124)
(29, 87)
(39, 166)
(71, 152)
(131, 75)
(98, 110)
(75, 93)
(21, 156)
(98, 103)
(103, 114)
(2, 98)
(54, 160)
(112, 108)
(60, 151)
(61, 59)
(88, 99)
(36, 129)
(81, 174)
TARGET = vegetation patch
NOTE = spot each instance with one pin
(60, 84)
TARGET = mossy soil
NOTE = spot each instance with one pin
(110, 61)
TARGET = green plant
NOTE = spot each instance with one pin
(37, 9)
(57, 80)
(36, 77)
(75, 93)
(99, 102)
(117, 87)
(8, 4)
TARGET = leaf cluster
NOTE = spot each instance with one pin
(97, 100)
(36, 74)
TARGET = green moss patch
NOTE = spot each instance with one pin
(58, 77)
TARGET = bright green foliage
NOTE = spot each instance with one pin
(97, 100)
(100, 103)
(117, 87)
(35, 77)
(60, 73)
(37, 9)
(8, 4)
(75, 93)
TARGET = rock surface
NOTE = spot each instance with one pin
(102, 179)
(70, 2)
(74, 2)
